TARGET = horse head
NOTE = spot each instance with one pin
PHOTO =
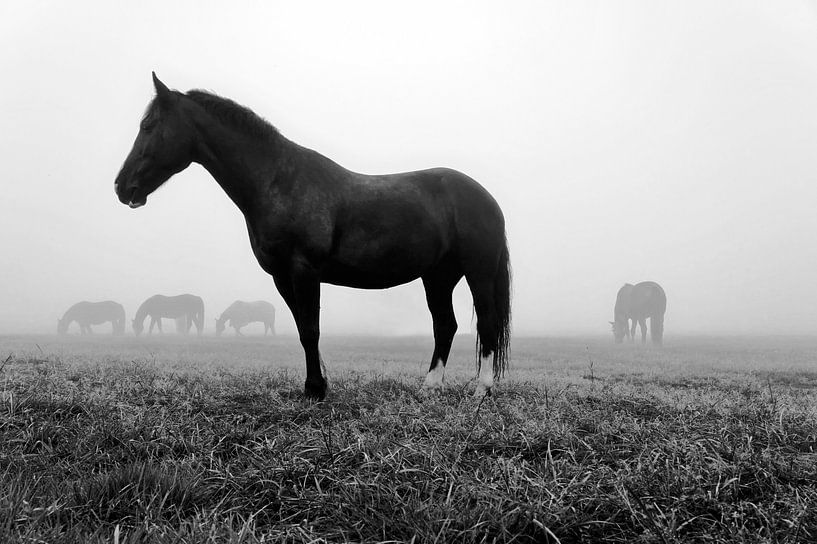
(62, 326)
(220, 326)
(163, 147)
(619, 330)
(138, 326)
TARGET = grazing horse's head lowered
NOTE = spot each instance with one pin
(619, 330)
(164, 146)
(138, 326)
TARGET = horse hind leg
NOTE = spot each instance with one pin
(439, 289)
(487, 333)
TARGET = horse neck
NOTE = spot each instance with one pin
(70, 314)
(142, 312)
(67, 319)
(240, 163)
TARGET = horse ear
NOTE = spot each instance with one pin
(161, 89)
(612, 322)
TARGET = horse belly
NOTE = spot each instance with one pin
(97, 317)
(99, 320)
(376, 274)
(382, 250)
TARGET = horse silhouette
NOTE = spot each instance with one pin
(93, 313)
(240, 313)
(189, 308)
(311, 221)
(637, 303)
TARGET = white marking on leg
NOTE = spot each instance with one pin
(435, 378)
(486, 377)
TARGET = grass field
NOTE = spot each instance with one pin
(210, 440)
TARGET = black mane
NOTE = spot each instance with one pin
(233, 114)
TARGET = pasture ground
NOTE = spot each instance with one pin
(210, 440)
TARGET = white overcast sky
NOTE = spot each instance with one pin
(625, 141)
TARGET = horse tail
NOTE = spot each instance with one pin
(120, 320)
(502, 297)
(657, 329)
(502, 309)
(200, 315)
(657, 321)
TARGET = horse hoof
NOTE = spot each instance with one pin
(315, 390)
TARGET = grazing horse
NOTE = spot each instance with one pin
(311, 221)
(185, 309)
(639, 302)
(240, 314)
(93, 313)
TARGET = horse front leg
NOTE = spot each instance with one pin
(302, 293)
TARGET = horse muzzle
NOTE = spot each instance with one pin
(129, 195)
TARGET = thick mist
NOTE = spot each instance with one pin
(625, 141)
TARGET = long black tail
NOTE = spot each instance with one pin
(657, 329)
(502, 306)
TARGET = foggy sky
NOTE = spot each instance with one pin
(625, 141)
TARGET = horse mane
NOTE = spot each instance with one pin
(234, 115)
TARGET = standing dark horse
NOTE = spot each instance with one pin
(240, 314)
(93, 313)
(639, 302)
(312, 221)
(189, 308)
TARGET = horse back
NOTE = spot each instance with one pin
(648, 299)
(173, 306)
(248, 312)
(370, 231)
(424, 215)
(95, 313)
